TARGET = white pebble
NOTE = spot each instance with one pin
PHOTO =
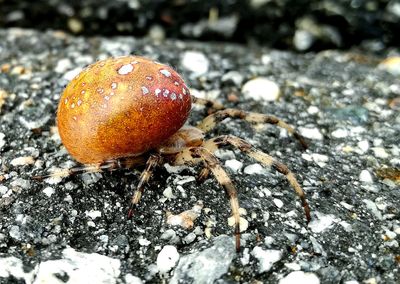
(21, 161)
(261, 89)
(313, 110)
(144, 242)
(373, 208)
(93, 214)
(340, 133)
(300, 277)
(266, 258)
(311, 133)
(196, 62)
(234, 165)
(49, 191)
(365, 176)
(380, 152)
(3, 190)
(253, 169)
(63, 65)
(167, 259)
(319, 159)
(322, 222)
(278, 203)
(363, 145)
(293, 266)
(233, 76)
(72, 74)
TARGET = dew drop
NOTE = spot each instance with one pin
(166, 92)
(176, 83)
(83, 92)
(149, 78)
(100, 90)
(65, 101)
(114, 85)
(73, 105)
(107, 98)
(79, 102)
(173, 96)
(157, 92)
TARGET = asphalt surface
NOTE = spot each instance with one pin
(75, 230)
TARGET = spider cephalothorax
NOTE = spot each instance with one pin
(126, 111)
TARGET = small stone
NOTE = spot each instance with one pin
(322, 222)
(189, 238)
(313, 110)
(93, 214)
(206, 266)
(15, 233)
(168, 193)
(363, 145)
(63, 65)
(311, 133)
(365, 176)
(340, 133)
(72, 73)
(22, 161)
(278, 202)
(380, 152)
(297, 277)
(167, 259)
(266, 258)
(233, 76)
(144, 242)
(234, 165)
(49, 191)
(261, 89)
(253, 169)
(320, 159)
(196, 62)
(373, 208)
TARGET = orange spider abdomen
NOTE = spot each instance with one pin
(121, 107)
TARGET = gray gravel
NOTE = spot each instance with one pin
(75, 230)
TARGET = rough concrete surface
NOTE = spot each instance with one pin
(75, 230)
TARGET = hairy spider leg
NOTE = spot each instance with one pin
(263, 158)
(192, 155)
(153, 161)
(110, 165)
(209, 122)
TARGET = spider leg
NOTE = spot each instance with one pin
(203, 175)
(207, 103)
(153, 161)
(111, 165)
(263, 158)
(213, 119)
(212, 164)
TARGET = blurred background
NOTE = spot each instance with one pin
(300, 25)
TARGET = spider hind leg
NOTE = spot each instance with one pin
(263, 158)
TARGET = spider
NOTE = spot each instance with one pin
(122, 112)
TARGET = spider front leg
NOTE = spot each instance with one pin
(111, 165)
(212, 120)
(192, 155)
(263, 158)
(154, 161)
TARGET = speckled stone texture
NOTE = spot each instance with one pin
(66, 230)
